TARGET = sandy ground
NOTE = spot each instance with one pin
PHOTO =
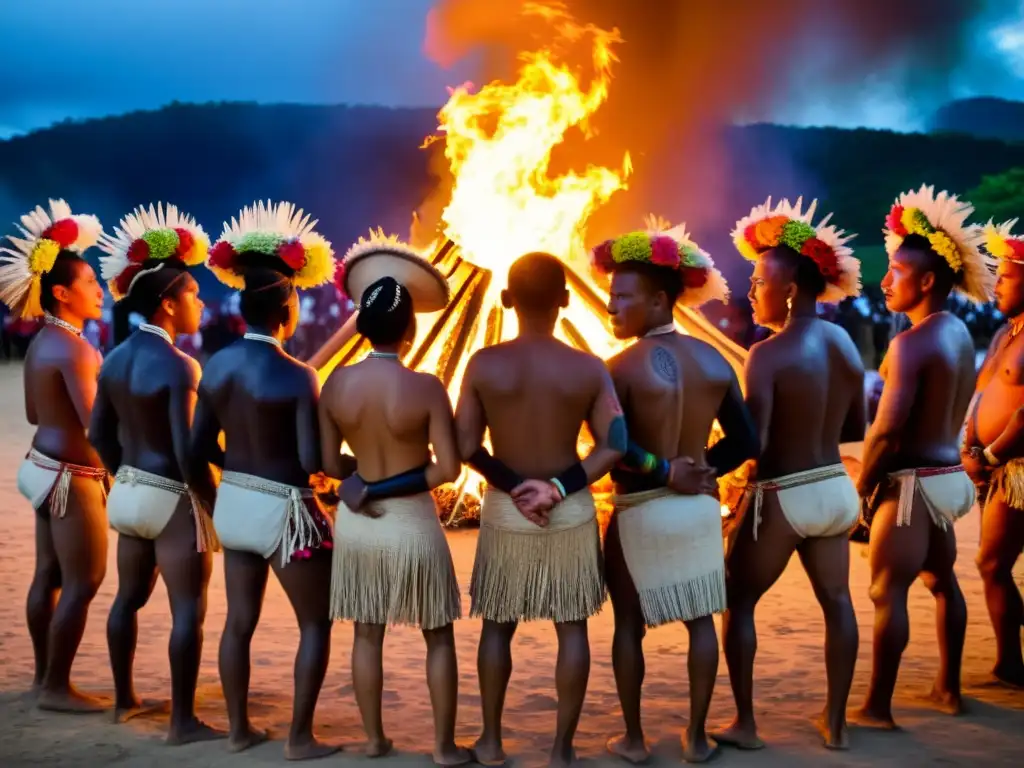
(790, 683)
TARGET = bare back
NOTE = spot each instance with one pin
(804, 385)
(266, 403)
(383, 411)
(536, 394)
(60, 385)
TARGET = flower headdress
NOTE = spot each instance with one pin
(43, 236)
(163, 236)
(786, 224)
(380, 255)
(663, 245)
(942, 220)
(1001, 243)
(279, 231)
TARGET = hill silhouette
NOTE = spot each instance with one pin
(985, 117)
(355, 167)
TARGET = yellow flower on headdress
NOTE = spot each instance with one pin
(943, 245)
(319, 266)
(43, 256)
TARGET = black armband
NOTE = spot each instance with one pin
(494, 471)
(740, 442)
(406, 484)
(636, 459)
(571, 480)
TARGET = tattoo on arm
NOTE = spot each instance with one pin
(664, 365)
(618, 436)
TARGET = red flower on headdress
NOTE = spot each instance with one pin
(894, 221)
(824, 258)
(1018, 248)
(339, 277)
(124, 280)
(293, 254)
(222, 255)
(185, 242)
(138, 251)
(664, 252)
(694, 277)
(603, 261)
(64, 232)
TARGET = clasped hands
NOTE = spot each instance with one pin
(351, 492)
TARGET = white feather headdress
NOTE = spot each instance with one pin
(692, 256)
(278, 230)
(942, 220)
(44, 234)
(144, 241)
(1002, 243)
(788, 224)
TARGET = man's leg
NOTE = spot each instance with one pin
(572, 673)
(368, 682)
(443, 684)
(1002, 539)
(494, 668)
(950, 616)
(136, 577)
(42, 596)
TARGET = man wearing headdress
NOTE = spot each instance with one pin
(664, 559)
(993, 454)
(392, 565)
(912, 480)
(267, 516)
(140, 428)
(538, 557)
(805, 390)
(43, 274)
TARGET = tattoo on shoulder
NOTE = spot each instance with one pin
(664, 365)
(618, 437)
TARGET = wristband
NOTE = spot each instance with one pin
(494, 471)
(662, 471)
(558, 487)
(990, 458)
(406, 484)
(572, 480)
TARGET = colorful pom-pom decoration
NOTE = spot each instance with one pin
(1001, 243)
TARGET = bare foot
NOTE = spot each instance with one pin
(631, 750)
(489, 753)
(452, 755)
(193, 731)
(560, 759)
(867, 718)
(250, 738)
(699, 749)
(947, 702)
(309, 750)
(72, 700)
(1009, 677)
(378, 747)
(739, 736)
(834, 738)
(125, 711)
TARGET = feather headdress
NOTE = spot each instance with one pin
(145, 241)
(280, 231)
(1002, 244)
(786, 224)
(942, 220)
(44, 234)
(663, 245)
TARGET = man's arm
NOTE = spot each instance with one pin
(759, 377)
(740, 442)
(203, 446)
(181, 406)
(307, 427)
(103, 428)
(330, 434)
(882, 439)
(1010, 443)
(80, 373)
(470, 425)
(856, 422)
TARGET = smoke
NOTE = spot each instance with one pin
(687, 67)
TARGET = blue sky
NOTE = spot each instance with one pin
(89, 58)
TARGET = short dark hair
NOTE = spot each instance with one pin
(151, 288)
(536, 282)
(63, 272)
(263, 300)
(945, 277)
(805, 272)
(657, 277)
(385, 312)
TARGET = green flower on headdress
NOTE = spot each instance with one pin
(691, 256)
(163, 243)
(796, 233)
(636, 246)
(259, 242)
(919, 224)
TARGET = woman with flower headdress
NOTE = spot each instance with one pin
(664, 560)
(912, 481)
(993, 455)
(392, 564)
(140, 428)
(267, 515)
(805, 389)
(44, 274)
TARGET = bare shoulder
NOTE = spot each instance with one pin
(710, 359)
(760, 357)
(627, 358)
(840, 340)
(182, 367)
(430, 386)
(219, 367)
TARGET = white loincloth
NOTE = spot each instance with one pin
(673, 549)
(42, 479)
(948, 493)
(817, 503)
(141, 504)
(396, 568)
(256, 515)
(524, 572)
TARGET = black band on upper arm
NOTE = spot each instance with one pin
(618, 435)
(494, 471)
(740, 442)
(406, 484)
